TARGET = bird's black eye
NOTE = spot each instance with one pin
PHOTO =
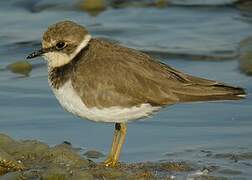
(60, 45)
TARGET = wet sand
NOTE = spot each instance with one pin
(31, 159)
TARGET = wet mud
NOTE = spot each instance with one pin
(31, 159)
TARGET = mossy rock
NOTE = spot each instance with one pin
(93, 7)
(20, 67)
(244, 5)
(161, 3)
(93, 154)
(245, 57)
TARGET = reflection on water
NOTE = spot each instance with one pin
(177, 35)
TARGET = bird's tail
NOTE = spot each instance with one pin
(207, 90)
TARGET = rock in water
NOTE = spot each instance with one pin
(93, 154)
(20, 67)
(93, 7)
(245, 56)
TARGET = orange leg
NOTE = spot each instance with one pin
(118, 141)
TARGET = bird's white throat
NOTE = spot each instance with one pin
(57, 59)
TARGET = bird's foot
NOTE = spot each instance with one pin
(110, 162)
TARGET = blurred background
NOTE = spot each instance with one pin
(207, 38)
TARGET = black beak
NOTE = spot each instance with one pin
(37, 53)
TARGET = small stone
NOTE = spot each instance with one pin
(244, 5)
(206, 151)
(65, 155)
(245, 56)
(161, 3)
(20, 67)
(93, 7)
(211, 168)
(93, 154)
(67, 143)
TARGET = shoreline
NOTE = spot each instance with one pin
(31, 159)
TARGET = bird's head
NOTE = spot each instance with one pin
(62, 42)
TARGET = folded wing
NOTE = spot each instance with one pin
(112, 75)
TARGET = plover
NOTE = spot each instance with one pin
(105, 82)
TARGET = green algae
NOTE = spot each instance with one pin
(63, 162)
(244, 5)
(93, 7)
(31, 159)
(20, 67)
(161, 3)
(245, 56)
(93, 154)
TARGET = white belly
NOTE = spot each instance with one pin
(70, 100)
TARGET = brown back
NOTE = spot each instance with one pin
(106, 74)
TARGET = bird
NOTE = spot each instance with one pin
(103, 81)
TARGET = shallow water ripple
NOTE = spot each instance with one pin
(209, 40)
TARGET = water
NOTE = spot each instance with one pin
(200, 40)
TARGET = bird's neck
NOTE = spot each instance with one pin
(58, 76)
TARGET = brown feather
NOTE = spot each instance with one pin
(106, 75)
